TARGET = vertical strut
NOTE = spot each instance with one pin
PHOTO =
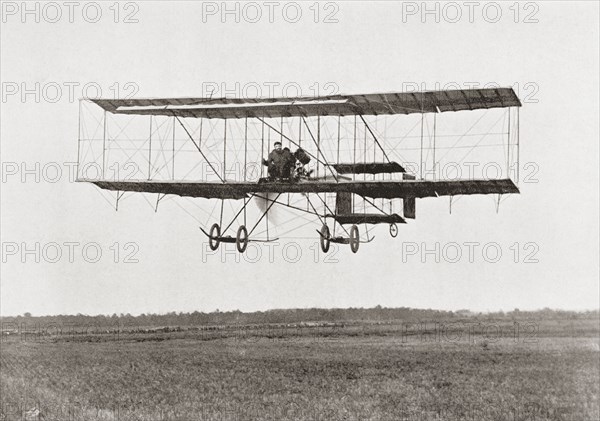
(200, 134)
(518, 142)
(338, 139)
(262, 146)
(354, 150)
(318, 140)
(374, 154)
(78, 140)
(150, 151)
(245, 152)
(508, 148)
(221, 216)
(365, 151)
(421, 161)
(299, 132)
(354, 161)
(318, 146)
(434, 129)
(224, 148)
(173, 159)
(104, 145)
(374, 150)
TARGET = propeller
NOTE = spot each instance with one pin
(263, 202)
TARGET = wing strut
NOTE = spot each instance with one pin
(119, 196)
(198, 147)
(325, 163)
(374, 138)
(160, 197)
(238, 214)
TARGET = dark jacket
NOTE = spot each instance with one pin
(288, 158)
(277, 158)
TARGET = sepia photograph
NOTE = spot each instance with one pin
(300, 210)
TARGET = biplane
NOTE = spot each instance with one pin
(353, 187)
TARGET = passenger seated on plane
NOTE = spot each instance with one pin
(301, 171)
(302, 159)
(288, 163)
(302, 156)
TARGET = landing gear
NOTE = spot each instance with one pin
(393, 229)
(241, 239)
(354, 239)
(213, 238)
(325, 238)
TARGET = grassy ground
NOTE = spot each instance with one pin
(349, 375)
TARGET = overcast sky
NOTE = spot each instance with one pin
(547, 235)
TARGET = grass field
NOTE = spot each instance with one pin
(349, 372)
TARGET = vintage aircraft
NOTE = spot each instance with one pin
(342, 191)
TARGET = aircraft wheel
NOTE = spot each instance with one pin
(354, 239)
(324, 238)
(393, 229)
(241, 239)
(215, 231)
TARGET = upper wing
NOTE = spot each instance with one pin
(373, 189)
(343, 105)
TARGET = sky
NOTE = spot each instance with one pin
(65, 250)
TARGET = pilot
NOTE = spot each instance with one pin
(276, 161)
